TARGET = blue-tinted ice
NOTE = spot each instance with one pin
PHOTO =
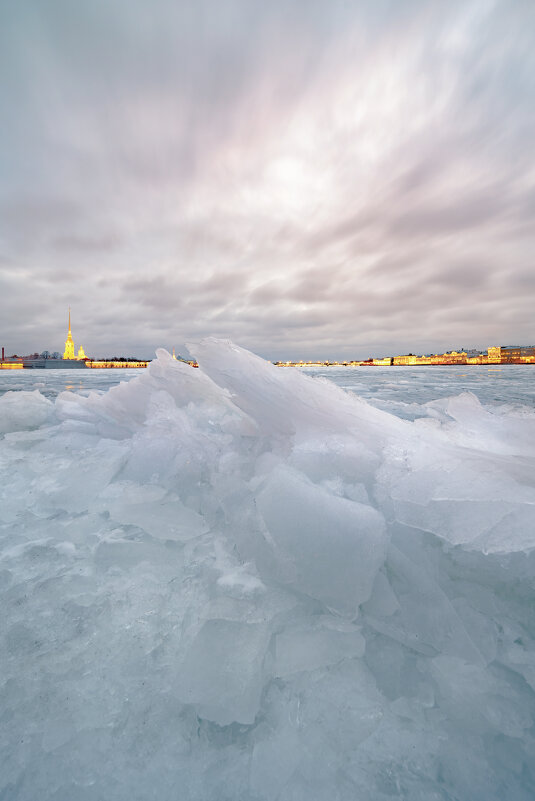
(241, 582)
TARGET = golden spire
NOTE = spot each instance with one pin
(68, 353)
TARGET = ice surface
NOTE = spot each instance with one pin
(241, 582)
(23, 410)
(324, 545)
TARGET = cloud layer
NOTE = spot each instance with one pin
(308, 178)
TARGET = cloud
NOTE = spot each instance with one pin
(86, 243)
(314, 178)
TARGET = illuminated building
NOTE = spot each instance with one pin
(454, 357)
(384, 362)
(515, 354)
(503, 354)
(69, 353)
(409, 358)
(106, 364)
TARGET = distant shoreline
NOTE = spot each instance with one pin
(414, 364)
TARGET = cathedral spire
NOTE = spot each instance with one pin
(68, 353)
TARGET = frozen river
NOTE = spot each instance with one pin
(396, 389)
(240, 584)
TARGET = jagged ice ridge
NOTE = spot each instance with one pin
(240, 582)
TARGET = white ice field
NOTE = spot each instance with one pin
(243, 583)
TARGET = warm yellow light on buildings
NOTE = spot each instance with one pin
(69, 352)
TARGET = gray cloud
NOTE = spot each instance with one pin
(89, 243)
(315, 178)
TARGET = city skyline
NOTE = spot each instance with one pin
(309, 179)
(489, 355)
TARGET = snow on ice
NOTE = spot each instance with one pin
(241, 582)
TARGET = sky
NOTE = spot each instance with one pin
(308, 178)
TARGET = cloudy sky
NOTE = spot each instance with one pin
(325, 178)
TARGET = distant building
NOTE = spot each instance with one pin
(69, 360)
(386, 361)
(511, 353)
(408, 358)
(69, 352)
(454, 357)
(517, 353)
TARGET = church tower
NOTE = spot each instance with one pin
(69, 344)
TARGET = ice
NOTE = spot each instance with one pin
(325, 546)
(23, 410)
(149, 507)
(243, 582)
(222, 671)
(297, 650)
